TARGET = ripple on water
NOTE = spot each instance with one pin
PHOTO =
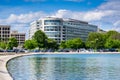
(66, 67)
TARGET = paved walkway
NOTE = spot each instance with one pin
(4, 75)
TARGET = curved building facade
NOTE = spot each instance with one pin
(62, 29)
(52, 28)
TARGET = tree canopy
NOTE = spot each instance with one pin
(62, 45)
(72, 43)
(110, 39)
(40, 38)
(95, 40)
(3, 45)
(12, 43)
(30, 44)
(111, 43)
(51, 44)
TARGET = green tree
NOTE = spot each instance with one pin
(96, 40)
(115, 36)
(3, 45)
(111, 43)
(74, 43)
(40, 38)
(51, 44)
(63, 45)
(111, 33)
(113, 39)
(30, 44)
(12, 43)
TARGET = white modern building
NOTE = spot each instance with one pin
(62, 29)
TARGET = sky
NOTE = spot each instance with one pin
(20, 13)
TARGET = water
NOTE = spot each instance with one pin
(66, 67)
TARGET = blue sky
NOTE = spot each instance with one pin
(19, 13)
(47, 5)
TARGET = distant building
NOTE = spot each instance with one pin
(4, 33)
(19, 36)
(101, 31)
(62, 29)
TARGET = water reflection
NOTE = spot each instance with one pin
(62, 67)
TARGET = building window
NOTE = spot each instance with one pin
(37, 22)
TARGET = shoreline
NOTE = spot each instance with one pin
(4, 73)
(5, 57)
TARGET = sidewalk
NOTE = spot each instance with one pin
(4, 57)
(4, 75)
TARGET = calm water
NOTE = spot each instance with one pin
(66, 67)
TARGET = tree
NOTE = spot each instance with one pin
(51, 44)
(111, 33)
(74, 43)
(96, 40)
(115, 36)
(62, 45)
(3, 45)
(30, 44)
(111, 43)
(113, 39)
(40, 38)
(12, 43)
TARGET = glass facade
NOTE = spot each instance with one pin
(78, 29)
(52, 28)
(60, 29)
(52, 22)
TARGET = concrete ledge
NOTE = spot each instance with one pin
(4, 74)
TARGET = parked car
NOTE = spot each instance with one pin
(9, 50)
(1, 50)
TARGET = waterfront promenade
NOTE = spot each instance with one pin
(4, 58)
(4, 75)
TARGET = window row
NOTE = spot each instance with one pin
(4, 28)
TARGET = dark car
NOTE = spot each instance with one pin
(9, 50)
(113, 50)
(1, 50)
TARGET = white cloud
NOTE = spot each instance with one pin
(107, 15)
(62, 13)
(87, 16)
(96, 15)
(23, 18)
(21, 22)
(21, 27)
(110, 5)
(117, 25)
